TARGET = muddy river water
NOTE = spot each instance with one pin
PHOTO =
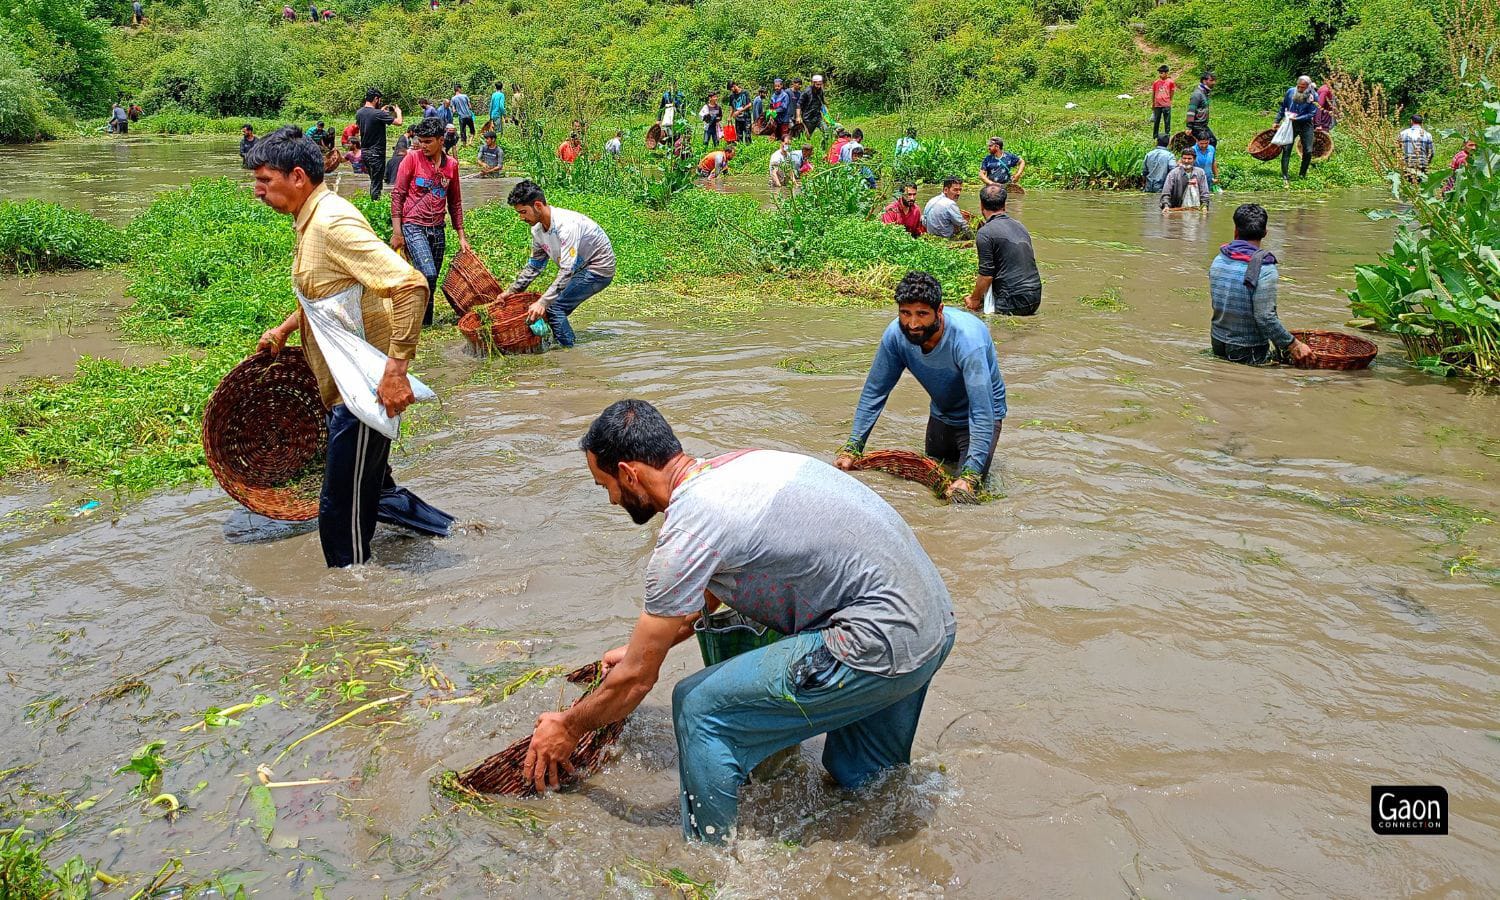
(1214, 606)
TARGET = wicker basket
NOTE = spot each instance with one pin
(905, 464)
(1322, 145)
(1181, 141)
(503, 772)
(264, 434)
(469, 283)
(507, 331)
(655, 137)
(1336, 350)
(1261, 147)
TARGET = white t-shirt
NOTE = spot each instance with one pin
(942, 216)
(612, 146)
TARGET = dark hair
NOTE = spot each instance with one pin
(911, 131)
(372, 95)
(859, 134)
(1250, 222)
(455, 88)
(247, 125)
(951, 180)
(1188, 151)
(919, 287)
(429, 127)
(630, 431)
(992, 197)
(498, 86)
(1163, 140)
(908, 185)
(1205, 76)
(286, 149)
(1416, 119)
(525, 194)
(1162, 68)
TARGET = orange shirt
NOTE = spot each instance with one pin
(713, 162)
(567, 151)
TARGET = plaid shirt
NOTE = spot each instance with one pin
(1241, 320)
(1416, 147)
(336, 249)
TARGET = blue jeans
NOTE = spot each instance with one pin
(730, 717)
(583, 286)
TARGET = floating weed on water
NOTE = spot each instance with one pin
(501, 684)
(26, 874)
(846, 363)
(1471, 563)
(448, 787)
(148, 763)
(680, 882)
(1068, 426)
(1116, 246)
(1265, 557)
(1108, 301)
(1453, 519)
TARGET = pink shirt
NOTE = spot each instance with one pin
(1161, 91)
(424, 193)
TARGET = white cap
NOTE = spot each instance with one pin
(817, 79)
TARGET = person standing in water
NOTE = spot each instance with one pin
(952, 356)
(868, 619)
(463, 112)
(1242, 285)
(428, 193)
(1007, 262)
(338, 253)
(372, 120)
(583, 253)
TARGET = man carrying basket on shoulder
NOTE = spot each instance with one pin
(339, 257)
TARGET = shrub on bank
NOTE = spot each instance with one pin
(1394, 44)
(26, 104)
(39, 237)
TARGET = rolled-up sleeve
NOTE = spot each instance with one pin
(356, 249)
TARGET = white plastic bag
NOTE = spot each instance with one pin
(989, 301)
(1283, 135)
(338, 327)
(1190, 198)
(668, 116)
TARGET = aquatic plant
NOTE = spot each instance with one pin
(36, 237)
(25, 872)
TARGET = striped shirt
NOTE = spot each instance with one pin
(337, 249)
(1242, 319)
(1416, 147)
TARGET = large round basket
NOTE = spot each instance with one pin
(1181, 141)
(655, 137)
(264, 433)
(1261, 147)
(1336, 350)
(501, 326)
(469, 283)
(1322, 145)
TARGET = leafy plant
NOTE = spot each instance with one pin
(25, 874)
(148, 763)
(36, 236)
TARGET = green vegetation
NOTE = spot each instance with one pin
(38, 237)
(26, 875)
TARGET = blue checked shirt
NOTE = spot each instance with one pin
(1241, 320)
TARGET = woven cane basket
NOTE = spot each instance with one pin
(469, 283)
(501, 326)
(1181, 141)
(1322, 145)
(1336, 350)
(1261, 147)
(905, 464)
(264, 434)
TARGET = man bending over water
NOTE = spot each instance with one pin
(953, 357)
(868, 618)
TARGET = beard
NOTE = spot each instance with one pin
(637, 506)
(921, 336)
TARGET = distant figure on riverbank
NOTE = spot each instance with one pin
(372, 120)
(1416, 149)
(137, 13)
(491, 157)
(584, 255)
(712, 116)
(1328, 108)
(341, 262)
(1242, 284)
(905, 212)
(247, 140)
(781, 171)
(810, 107)
(1197, 108)
(1157, 164)
(1186, 186)
(782, 103)
(1008, 282)
(1460, 159)
(427, 195)
(350, 137)
(288, 14)
(855, 145)
(713, 166)
(133, 112)
(119, 120)
(1300, 105)
(907, 143)
(615, 145)
(739, 110)
(951, 354)
(942, 217)
(1000, 167)
(1162, 90)
(497, 108)
(312, 9)
(463, 112)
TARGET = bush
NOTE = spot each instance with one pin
(1260, 48)
(1180, 24)
(1394, 43)
(25, 103)
(1093, 53)
(235, 69)
(65, 50)
(37, 236)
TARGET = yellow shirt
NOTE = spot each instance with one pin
(336, 248)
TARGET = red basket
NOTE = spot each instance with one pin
(264, 434)
(1336, 350)
(501, 326)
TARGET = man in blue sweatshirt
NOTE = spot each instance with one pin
(1242, 286)
(952, 356)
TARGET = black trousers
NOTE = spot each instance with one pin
(1302, 130)
(1018, 304)
(358, 491)
(1161, 121)
(950, 443)
(465, 128)
(374, 160)
(1250, 356)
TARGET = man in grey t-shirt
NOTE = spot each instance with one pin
(791, 543)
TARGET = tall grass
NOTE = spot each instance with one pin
(36, 237)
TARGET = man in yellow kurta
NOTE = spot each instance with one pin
(336, 251)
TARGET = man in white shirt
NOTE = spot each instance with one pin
(941, 215)
(846, 153)
(1416, 149)
(612, 146)
(782, 170)
(583, 253)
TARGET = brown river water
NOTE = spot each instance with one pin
(1214, 606)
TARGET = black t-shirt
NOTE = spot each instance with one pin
(1005, 254)
(811, 103)
(372, 121)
